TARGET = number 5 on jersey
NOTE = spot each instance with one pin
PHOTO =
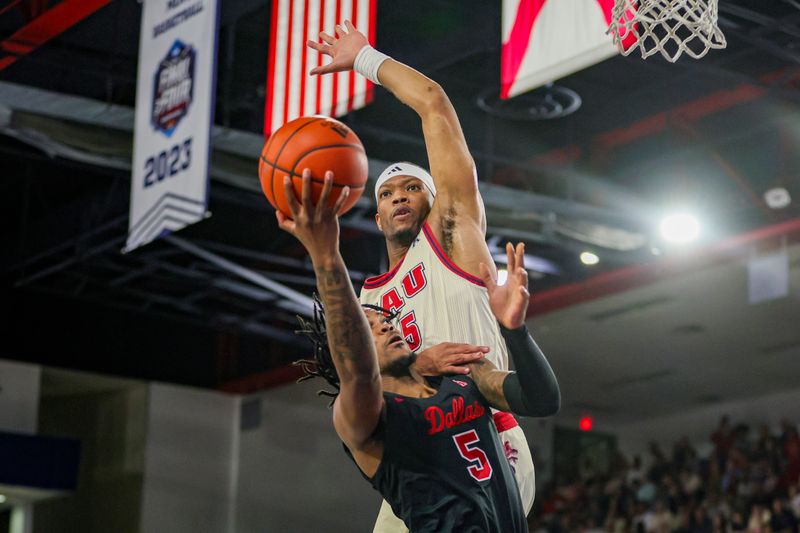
(467, 443)
(408, 325)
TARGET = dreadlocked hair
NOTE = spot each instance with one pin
(390, 315)
(321, 364)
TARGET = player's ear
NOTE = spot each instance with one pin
(378, 221)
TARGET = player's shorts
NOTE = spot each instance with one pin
(519, 456)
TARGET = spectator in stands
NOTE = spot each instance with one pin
(683, 454)
(731, 477)
(783, 520)
(690, 489)
(738, 522)
(794, 499)
(722, 439)
(741, 443)
(790, 441)
(759, 519)
(690, 481)
(767, 446)
(661, 520)
(659, 465)
(719, 524)
(699, 521)
(635, 472)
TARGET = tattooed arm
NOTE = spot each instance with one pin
(357, 409)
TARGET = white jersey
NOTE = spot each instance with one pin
(436, 301)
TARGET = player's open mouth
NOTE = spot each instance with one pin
(401, 212)
(395, 339)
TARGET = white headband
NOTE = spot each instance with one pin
(405, 169)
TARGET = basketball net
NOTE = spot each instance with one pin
(670, 27)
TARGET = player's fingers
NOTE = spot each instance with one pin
(340, 31)
(468, 358)
(327, 185)
(343, 196)
(319, 47)
(326, 37)
(463, 370)
(284, 222)
(520, 255)
(319, 70)
(305, 197)
(488, 278)
(510, 257)
(349, 26)
(291, 198)
(331, 67)
(461, 348)
(522, 274)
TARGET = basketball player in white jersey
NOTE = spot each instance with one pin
(435, 228)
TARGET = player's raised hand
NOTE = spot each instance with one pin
(342, 49)
(316, 226)
(509, 302)
(448, 358)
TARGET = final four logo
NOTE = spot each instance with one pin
(173, 87)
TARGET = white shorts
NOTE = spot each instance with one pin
(517, 453)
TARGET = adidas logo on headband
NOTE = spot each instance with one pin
(405, 169)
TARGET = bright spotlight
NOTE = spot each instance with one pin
(588, 258)
(502, 276)
(2, 498)
(680, 228)
(777, 198)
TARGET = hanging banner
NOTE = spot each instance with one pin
(291, 91)
(544, 40)
(174, 115)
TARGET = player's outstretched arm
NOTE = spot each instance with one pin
(533, 389)
(357, 409)
(451, 164)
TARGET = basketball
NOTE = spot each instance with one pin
(317, 143)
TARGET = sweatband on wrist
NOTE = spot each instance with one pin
(368, 61)
(533, 389)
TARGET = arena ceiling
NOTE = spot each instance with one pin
(709, 136)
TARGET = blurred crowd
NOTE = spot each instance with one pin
(748, 482)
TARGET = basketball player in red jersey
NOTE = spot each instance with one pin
(435, 228)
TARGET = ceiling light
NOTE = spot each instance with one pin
(680, 228)
(2, 498)
(589, 258)
(777, 198)
(502, 276)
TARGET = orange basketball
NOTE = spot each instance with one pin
(320, 144)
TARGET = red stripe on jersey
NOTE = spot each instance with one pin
(446, 261)
(504, 421)
(382, 279)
